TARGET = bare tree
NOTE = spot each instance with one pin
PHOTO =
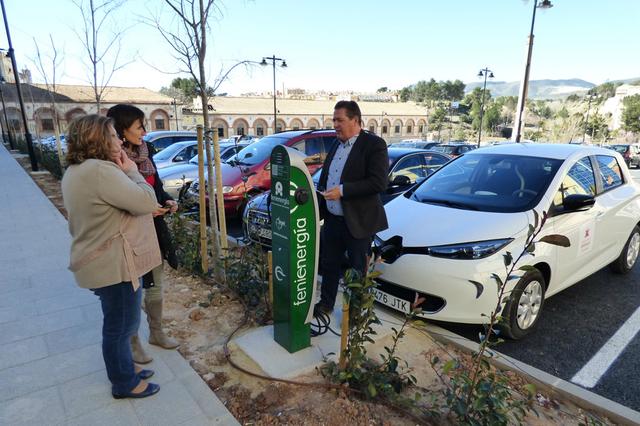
(188, 39)
(49, 74)
(102, 50)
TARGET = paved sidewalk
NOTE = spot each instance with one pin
(51, 367)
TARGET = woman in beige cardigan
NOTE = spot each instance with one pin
(109, 206)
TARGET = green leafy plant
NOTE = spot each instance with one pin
(185, 235)
(479, 394)
(246, 275)
(383, 381)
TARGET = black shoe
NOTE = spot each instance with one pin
(145, 374)
(151, 389)
(321, 309)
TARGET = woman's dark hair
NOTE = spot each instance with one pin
(89, 137)
(351, 109)
(124, 116)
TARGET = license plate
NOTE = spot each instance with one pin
(260, 232)
(392, 301)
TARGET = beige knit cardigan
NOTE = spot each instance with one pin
(109, 211)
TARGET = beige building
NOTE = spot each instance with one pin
(614, 105)
(254, 116)
(72, 100)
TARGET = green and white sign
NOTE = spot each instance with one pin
(295, 228)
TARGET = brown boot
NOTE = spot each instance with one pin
(156, 335)
(139, 354)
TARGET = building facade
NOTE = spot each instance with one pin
(69, 101)
(255, 116)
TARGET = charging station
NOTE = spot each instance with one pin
(295, 246)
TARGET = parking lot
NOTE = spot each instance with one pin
(586, 335)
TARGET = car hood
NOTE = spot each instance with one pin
(421, 224)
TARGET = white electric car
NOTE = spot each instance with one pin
(456, 226)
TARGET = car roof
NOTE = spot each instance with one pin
(395, 152)
(560, 151)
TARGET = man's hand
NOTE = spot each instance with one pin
(173, 205)
(332, 193)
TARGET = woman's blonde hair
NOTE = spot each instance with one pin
(89, 137)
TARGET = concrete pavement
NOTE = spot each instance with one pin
(51, 367)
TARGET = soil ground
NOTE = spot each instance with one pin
(202, 316)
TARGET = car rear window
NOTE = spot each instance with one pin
(610, 172)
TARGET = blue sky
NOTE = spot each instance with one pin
(360, 45)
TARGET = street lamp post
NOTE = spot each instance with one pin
(274, 60)
(27, 134)
(175, 112)
(485, 72)
(4, 111)
(518, 125)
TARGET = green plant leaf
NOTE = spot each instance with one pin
(531, 248)
(527, 268)
(556, 240)
(479, 288)
(497, 278)
(371, 390)
(535, 219)
(530, 388)
(508, 258)
(448, 366)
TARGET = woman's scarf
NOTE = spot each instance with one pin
(140, 155)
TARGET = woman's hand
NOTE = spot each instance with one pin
(124, 162)
(172, 205)
(160, 211)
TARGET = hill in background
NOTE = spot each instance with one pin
(538, 89)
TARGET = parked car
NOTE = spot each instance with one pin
(178, 153)
(241, 138)
(174, 178)
(458, 224)
(161, 139)
(415, 144)
(249, 173)
(454, 149)
(406, 167)
(630, 153)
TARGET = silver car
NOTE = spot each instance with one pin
(175, 177)
(178, 153)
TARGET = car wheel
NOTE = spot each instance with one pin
(523, 310)
(629, 254)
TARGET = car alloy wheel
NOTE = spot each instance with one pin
(523, 309)
(629, 254)
(529, 305)
(633, 250)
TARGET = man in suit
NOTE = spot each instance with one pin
(354, 174)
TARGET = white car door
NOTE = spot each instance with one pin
(575, 262)
(615, 195)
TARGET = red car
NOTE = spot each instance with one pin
(248, 172)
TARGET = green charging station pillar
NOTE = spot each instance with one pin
(295, 228)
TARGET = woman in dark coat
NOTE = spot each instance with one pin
(129, 124)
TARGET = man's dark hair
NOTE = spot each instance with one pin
(124, 116)
(351, 108)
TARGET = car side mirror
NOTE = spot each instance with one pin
(178, 158)
(578, 202)
(401, 180)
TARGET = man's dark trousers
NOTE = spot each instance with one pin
(336, 240)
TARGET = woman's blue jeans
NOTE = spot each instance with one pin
(121, 311)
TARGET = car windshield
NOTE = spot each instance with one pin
(489, 182)
(257, 152)
(619, 148)
(168, 152)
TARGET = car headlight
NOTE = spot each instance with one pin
(227, 189)
(475, 250)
